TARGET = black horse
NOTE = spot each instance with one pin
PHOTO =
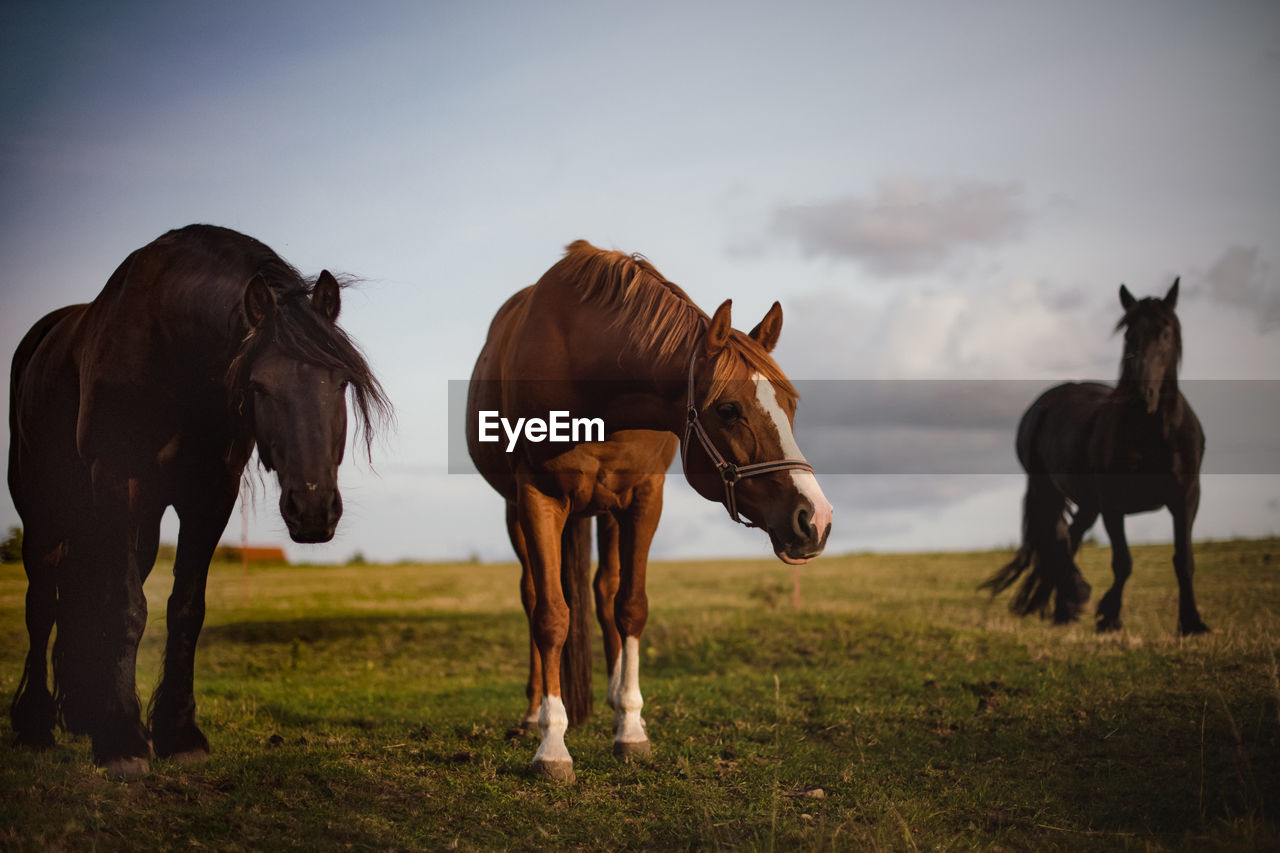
(1110, 451)
(201, 345)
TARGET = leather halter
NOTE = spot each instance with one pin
(729, 473)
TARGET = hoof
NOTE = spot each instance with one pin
(1196, 627)
(126, 769)
(556, 771)
(626, 750)
(190, 757)
(188, 746)
(1107, 625)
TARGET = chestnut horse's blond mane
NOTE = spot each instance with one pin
(656, 313)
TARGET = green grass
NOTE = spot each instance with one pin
(371, 708)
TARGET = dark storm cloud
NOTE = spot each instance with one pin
(906, 225)
(944, 427)
(912, 426)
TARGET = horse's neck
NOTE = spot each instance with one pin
(654, 387)
(631, 383)
(1168, 413)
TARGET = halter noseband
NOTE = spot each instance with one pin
(729, 473)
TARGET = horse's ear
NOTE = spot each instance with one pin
(1171, 298)
(767, 330)
(259, 301)
(718, 329)
(326, 296)
(1126, 298)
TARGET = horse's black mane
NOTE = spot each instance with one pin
(302, 332)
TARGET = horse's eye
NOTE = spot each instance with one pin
(343, 386)
(257, 388)
(729, 412)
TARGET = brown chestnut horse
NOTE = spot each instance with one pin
(602, 335)
(202, 344)
(1111, 451)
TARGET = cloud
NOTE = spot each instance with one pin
(907, 225)
(1011, 328)
(1242, 279)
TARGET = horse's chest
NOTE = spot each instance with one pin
(601, 494)
(1135, 492)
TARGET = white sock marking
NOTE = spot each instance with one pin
(614, 694)
(629, 727)
(553, 722)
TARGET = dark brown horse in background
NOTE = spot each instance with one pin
(603, 334)
(1134, 448)
(201, 345)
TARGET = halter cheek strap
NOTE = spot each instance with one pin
(729, 473)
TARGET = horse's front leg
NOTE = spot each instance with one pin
(1108, 616)
(1189, 621)
(631, 610)
(606, 593)
(202, 514)
(109, 592)
(542, 519)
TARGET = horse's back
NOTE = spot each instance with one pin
(1052, 435)
(495, 386)
(158, 339)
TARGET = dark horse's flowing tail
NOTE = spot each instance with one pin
(575, 658)
(1046, 550)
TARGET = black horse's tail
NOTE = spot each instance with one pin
(1046, 551)
(575, 657)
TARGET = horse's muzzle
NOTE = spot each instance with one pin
(799, 538)
(311, 514)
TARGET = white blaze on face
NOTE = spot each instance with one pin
(805, 483)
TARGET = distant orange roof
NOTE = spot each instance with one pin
(251, 553)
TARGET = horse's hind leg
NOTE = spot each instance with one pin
(33, 712)
(173, 705)
(533, 688)
(1054, 574)
(606, 591)
(1083, 519)
(1077, 588)
(1108, 618)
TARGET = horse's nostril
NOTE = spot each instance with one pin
(801, 521)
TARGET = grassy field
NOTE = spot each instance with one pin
(372, 707)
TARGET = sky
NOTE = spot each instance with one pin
(933, 191)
